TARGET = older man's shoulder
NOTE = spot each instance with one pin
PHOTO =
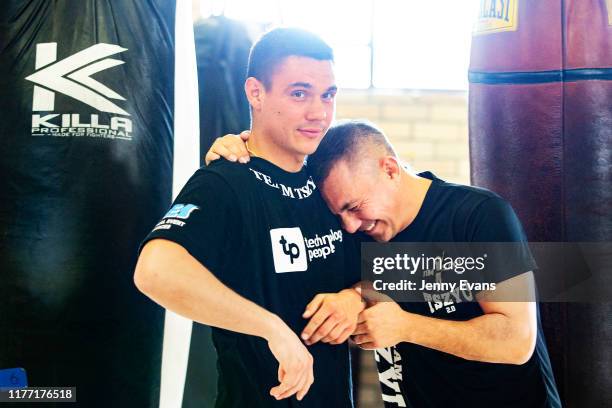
(469, 197)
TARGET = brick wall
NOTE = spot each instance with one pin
(429, 131)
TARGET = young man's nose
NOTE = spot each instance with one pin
(317, 110)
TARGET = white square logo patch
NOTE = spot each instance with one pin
(288, 250)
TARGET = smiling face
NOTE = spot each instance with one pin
(296, 109)
(366, 199)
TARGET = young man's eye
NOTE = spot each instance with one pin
(329, 95)
(298, 94)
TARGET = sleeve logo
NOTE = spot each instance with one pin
(173, 217)
(182, 211)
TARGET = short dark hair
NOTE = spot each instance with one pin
(277, 44)
(342, 141)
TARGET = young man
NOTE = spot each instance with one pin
(253, 251)
(466, 350)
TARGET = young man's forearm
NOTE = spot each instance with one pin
(170, 276)
(174, 279)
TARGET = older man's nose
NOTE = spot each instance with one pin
(350, 224)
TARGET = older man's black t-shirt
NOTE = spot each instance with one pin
(267, 234)
(416, 376)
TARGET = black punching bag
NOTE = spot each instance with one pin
(222, 54)
(541, 136)
(86, 123)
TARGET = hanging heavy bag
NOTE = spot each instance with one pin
(86, 124)
(541, 136)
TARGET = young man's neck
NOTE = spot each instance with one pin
(261, 146)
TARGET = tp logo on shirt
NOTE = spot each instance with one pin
(288, 250)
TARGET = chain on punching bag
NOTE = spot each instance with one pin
(541, 136)
(86, 168)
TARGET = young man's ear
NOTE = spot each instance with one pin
(390, 166)
(255, 92)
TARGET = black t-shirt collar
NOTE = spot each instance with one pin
(286, 177)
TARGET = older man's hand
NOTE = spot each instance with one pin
(381, 325)
(230, 147)
(333, 317)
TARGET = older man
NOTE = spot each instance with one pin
(470, 351)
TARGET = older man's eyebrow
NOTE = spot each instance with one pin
(346, 206)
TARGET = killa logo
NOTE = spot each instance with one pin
(71, 77)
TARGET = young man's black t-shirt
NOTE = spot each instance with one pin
(416, 376)
(268, 235)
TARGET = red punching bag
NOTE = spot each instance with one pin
(541, 136)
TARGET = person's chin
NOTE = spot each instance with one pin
(310, 146)
(380, 238)
(381, 234)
